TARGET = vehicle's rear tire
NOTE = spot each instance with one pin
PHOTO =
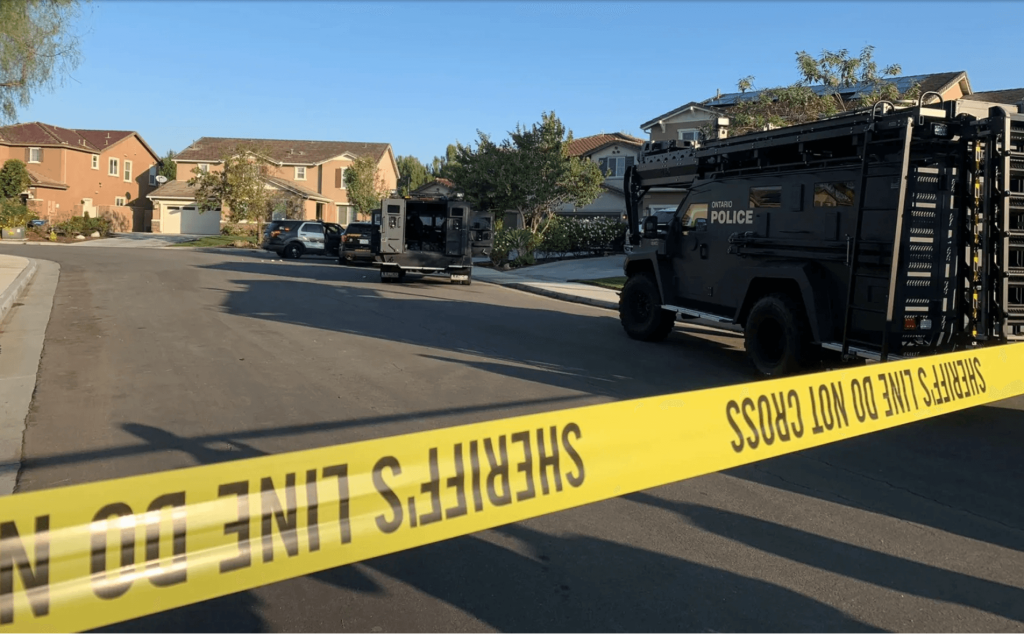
(777, 336)
(640, 309)
(292, 251)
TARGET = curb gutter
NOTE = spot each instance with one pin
(11, 294)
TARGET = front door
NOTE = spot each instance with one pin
(456, 235)
(392, 227)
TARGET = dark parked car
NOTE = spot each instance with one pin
(357, 243)
(292, 239)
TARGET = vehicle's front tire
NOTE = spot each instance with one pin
(292, 251)
(640, 310)
(777, 336)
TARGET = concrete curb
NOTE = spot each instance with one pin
(11, 294)
(566, 297)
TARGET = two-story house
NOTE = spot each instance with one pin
(311, 173)
(103, 172)
(613, 153)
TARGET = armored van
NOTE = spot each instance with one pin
(433, 235)
(880, 234)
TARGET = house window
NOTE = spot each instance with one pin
(152, 176)
(35, 155)
(300, 173)
(204, 167)
(766, 196)
(119, 201)
(839, 194)
(615, 166)
(113, 167)
(689, 134)
(127, 171)
(95, 161)
(339, 177)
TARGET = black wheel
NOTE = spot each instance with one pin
(292, 251)
(640, 309)
(777, 336)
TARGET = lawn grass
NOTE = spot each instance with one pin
(215, 241)
(614, 283)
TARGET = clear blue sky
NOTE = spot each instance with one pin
(420, 75)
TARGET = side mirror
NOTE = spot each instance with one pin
(650, 227)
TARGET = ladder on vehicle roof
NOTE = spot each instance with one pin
(860, 275)
(996, 213)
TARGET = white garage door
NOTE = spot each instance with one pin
(188, 220)
(203, 224)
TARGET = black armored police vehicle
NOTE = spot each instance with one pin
(879, 234)
(434, 235)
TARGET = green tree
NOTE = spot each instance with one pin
(530, 172)
(412, 174)
(444, 166)
(168, 167)
(14, 179)
(37, 49)
(365, 185)
(798, 103)
(241, 187)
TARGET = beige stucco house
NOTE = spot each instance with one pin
(102, 172)
(613, 153)
(310, 172)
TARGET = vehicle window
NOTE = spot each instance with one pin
(314, 228)
(836, 194)
(694, 212)
(331, 229)
(766, 196)
(394, 209)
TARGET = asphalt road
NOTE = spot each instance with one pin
(159, 359)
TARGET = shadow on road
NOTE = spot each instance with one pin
(853, 562)
(957, 473)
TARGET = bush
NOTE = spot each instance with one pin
(247, 230)
(83, 225)
(568, 234)
(14, 214)
(522, 241)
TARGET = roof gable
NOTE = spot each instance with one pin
(590, 144)
(693, 105)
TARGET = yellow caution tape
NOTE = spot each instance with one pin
(85, 556)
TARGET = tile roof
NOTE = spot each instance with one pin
(173, 189)
(280, 151)
(1009, 96)
(42, 181)
(588, 144)
(45, 134)
(181, 189)
(282, 183)
(935, 82)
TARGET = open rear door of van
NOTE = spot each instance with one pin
(392, 226)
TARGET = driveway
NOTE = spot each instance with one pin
(141, 240)
(578, 269)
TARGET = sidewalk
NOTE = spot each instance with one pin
(15, 274)
(552, 280)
